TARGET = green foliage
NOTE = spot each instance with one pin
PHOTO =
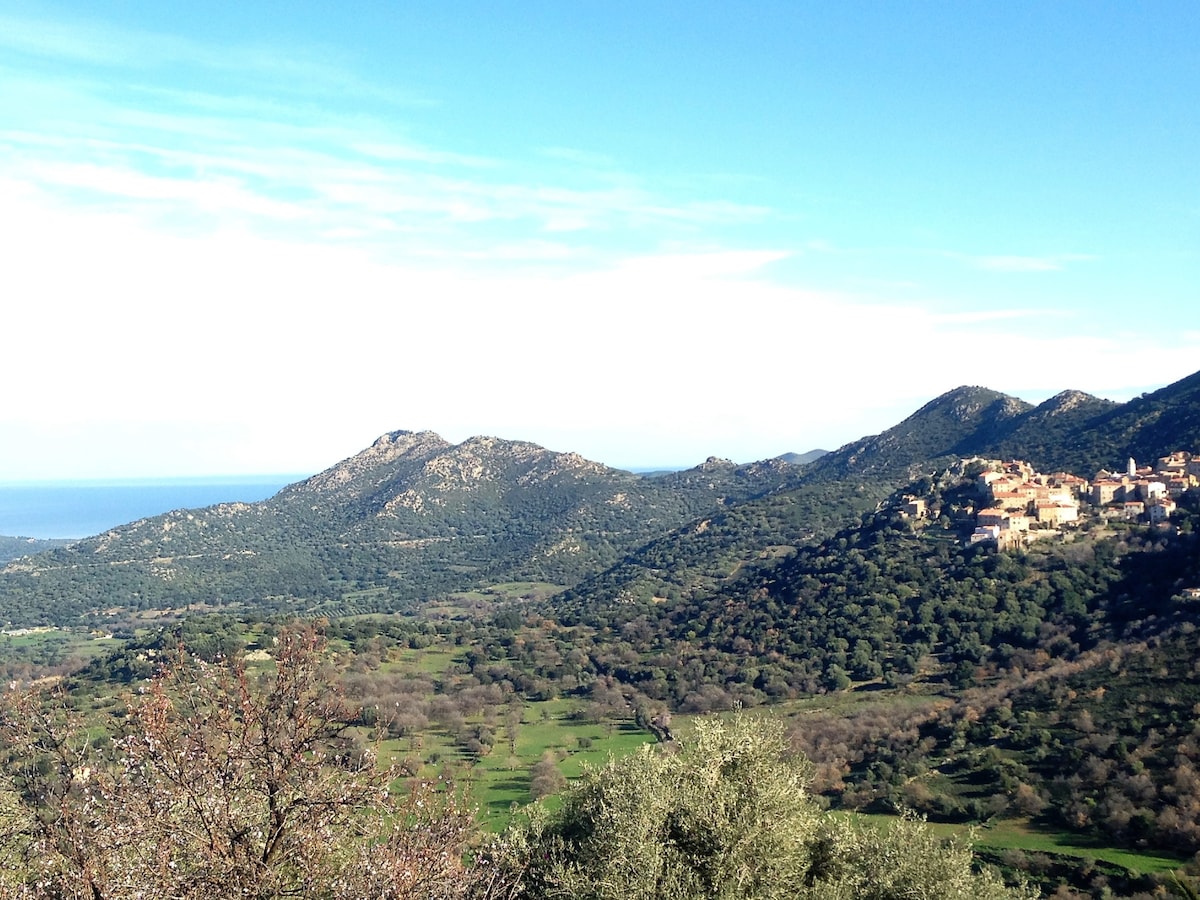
(722, 585)
(699, 559)
(413, 517)
(900, 861)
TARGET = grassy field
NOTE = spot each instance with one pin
(432, 660)
(503, 781)
(1020, 835)
(1014, 834)
(48, 647)
(500, 780)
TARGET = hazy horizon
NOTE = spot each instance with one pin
(637, 467)
(70, 510)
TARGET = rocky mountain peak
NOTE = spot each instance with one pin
(966, 403)
(1065, 401)
(405, 442)
(387, 449)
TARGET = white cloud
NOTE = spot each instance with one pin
(343, 178)
(530, 250)
(234, 333)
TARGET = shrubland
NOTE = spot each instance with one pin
(217, 779)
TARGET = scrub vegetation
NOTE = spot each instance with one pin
(217, 781)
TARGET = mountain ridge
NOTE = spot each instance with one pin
(1058, 434)
(1071, 431)
(410, 517)
(413, 516)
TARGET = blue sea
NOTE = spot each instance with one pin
(76, 509)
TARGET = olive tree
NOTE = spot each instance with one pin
(727, 815)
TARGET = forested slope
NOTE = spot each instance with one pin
(410, 518)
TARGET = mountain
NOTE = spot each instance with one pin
(802, 459)
(1051, 435)
(1058, 681)
(779, 562)
(414, 517)
(1072, 431)
(890, 595)
(954, 424)
(698, 558)
(410, 517)
(1076, 432)
(1102, 434)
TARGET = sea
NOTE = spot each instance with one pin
(77, 509)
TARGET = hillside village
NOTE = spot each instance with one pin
(1022, 504)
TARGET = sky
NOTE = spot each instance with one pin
(251, 237)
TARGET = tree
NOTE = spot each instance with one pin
(727, 816)
(545, 778)
(220, 785)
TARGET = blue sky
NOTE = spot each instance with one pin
(251, 237)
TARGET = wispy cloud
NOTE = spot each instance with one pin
(1017, 264)
(61, 41)
(94, 43)
(408, 152)
(241, 156)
